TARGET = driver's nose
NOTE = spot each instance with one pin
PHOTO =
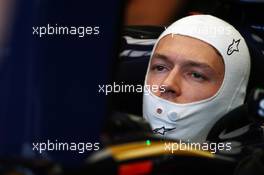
(171, 86)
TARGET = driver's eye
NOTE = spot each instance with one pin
(158, 68)
(197, 76)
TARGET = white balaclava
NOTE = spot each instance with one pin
(193, 121)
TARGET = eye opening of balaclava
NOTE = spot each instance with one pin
(193, 121)
(198, 101)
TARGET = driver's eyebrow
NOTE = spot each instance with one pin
(190, 63)
(161, 57)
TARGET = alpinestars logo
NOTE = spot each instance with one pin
(233, 47)
(162, 130)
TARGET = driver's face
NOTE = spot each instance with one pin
(189, 69)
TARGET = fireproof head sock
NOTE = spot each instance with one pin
(193, 121)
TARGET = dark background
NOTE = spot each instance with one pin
(49, 85)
